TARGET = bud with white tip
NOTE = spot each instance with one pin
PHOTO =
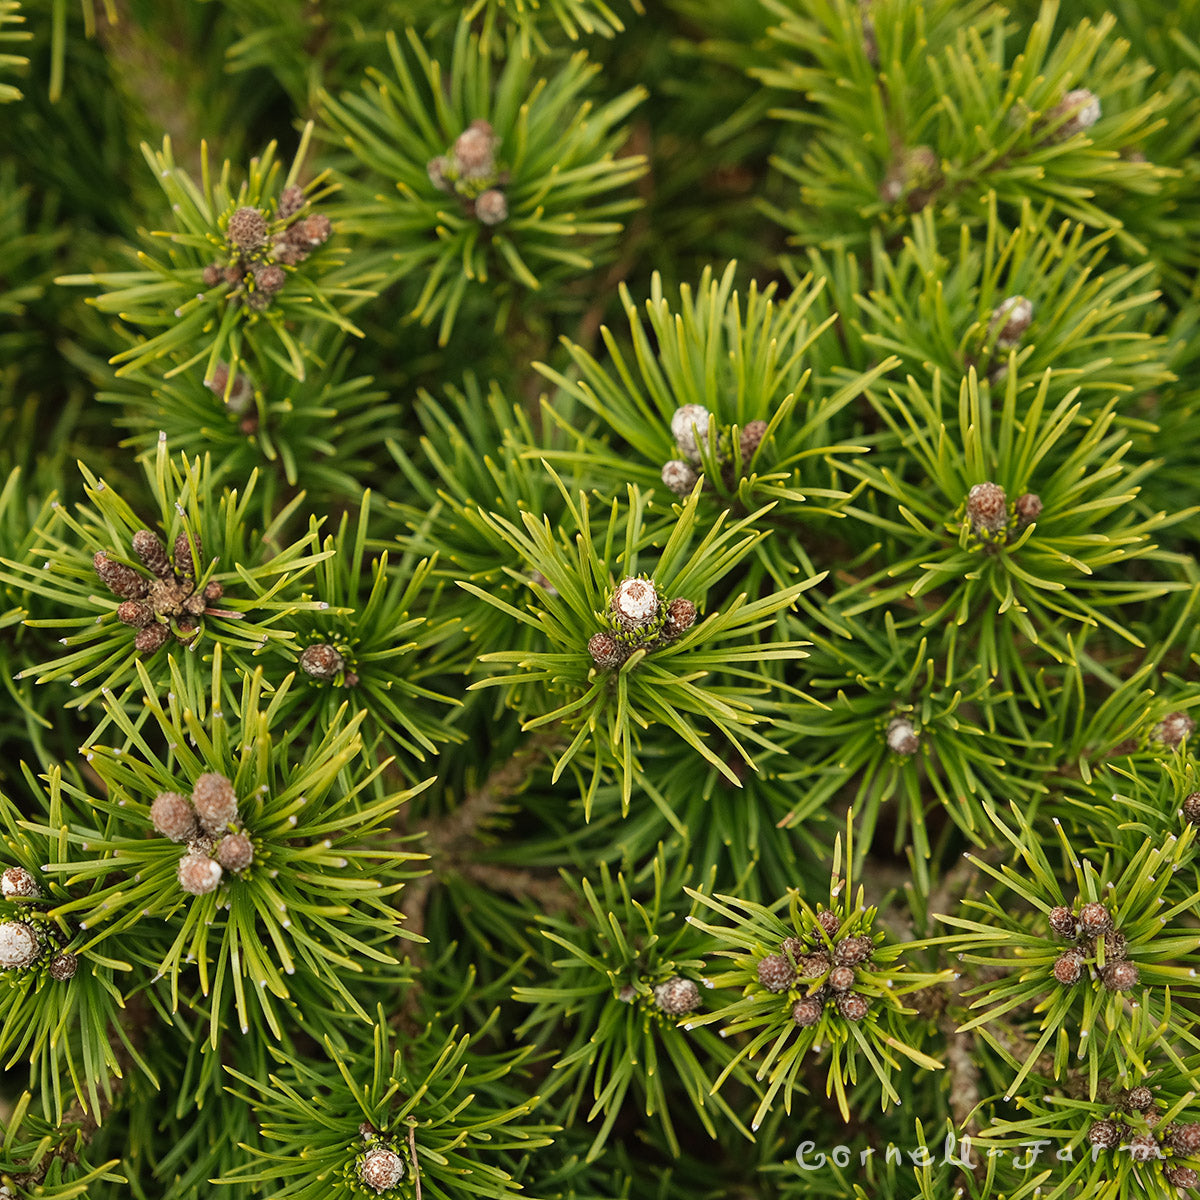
(199, 874)
(18, 884)
(381, 1168)
(20, 945)
(677, 996)
(1010, 320)
(1080, 107)
(679, 477)
(689, 426)
(635, 603)
(902, 737)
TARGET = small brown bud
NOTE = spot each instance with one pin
(750, 439)
(491, 207)
(1182, 1177)
(233, 275)
(902, 737)
(213, 591)
(1173, 728)
(812, 966)
(841, 979)
(853, 1006)
(807, 1011)
(987, 509)
(136, 613)
(173, 816)
(1115, 946)
(247, 228)
(1081, 109)
(119, 579)
(184, 563)
(1010, 320)
(792, 948)
(269, 279)
(63, 966)
(1120, 976)
(775, 973)
(853, 950)
(606, 651)
(215, 801)
(185, 629)
(677, 996)
(18, 884)
(679, 477)
(1143, 1147)
(321, 661)
(1068, 968)
(235, 852)
(1137, 1099)
(1105, 1135)
(291, 201)
(1062, 921)
(436, 170)
(1094, 919)
(211, 275)
(475, 151)
(381, 1168)
(317, 229)
(635, 603)
(152, 638)
(1185, 1140)
(681, 616)
(199, 874)
(1191, 808)
(1029, 508)
(20, 945)
(367, 1131)
(153, 553)
(829, 921)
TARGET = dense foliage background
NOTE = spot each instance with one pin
(599, 600)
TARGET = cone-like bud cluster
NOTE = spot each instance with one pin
(167, 602)
(258, 247)
(836, 970)
(691, 427)
(470, 171)
(677, 996)
(1095, 936)
(200, 822)
(638, 619)
(1191, 808)
(321, 662)
(381, 1168)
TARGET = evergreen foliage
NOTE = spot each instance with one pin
(598, 599)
